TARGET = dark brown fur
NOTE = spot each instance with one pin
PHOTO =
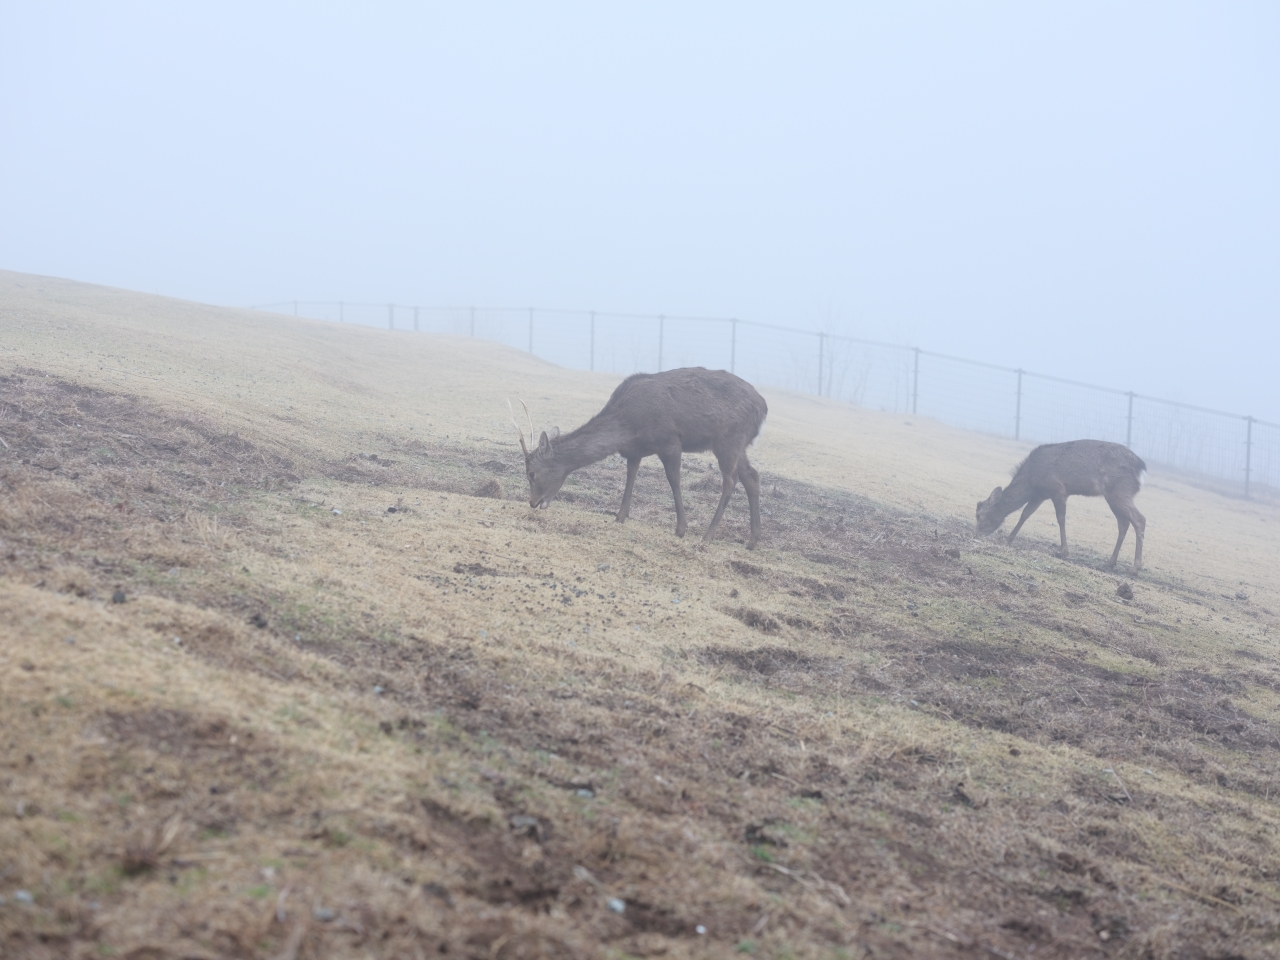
(1055, 471)
(691, 410)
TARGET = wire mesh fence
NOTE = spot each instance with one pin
(1237, 455)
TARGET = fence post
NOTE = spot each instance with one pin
(662, 322)
(592, 365)
(473, 321)
(415, 319)
(1248, 453)
(822, 342)
(341, 318)
(915, 382)
(733, 345)
(1128, 430)
(1017, 413)
(531, 329)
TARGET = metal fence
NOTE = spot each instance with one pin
(1237, 455)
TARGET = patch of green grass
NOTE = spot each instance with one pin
(762, 854)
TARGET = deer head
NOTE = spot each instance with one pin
(546, 475)
(988, 517)
(545, 471)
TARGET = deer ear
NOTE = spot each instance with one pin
(995, 494)
(544, 445)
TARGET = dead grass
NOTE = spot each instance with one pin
(353, 706)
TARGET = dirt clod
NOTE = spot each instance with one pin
(1124, 591)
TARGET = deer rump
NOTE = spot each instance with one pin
(1055, 471)
(668, 414)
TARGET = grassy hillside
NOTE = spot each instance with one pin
(359, 700)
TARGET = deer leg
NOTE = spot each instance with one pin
(728, 475)
(1060, 508)
(1127, 513)
(1139, 530)
(750, 478)
(633, 467)
(1032, 507)
(671, 462)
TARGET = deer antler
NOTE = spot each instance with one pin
(519, 432)
(530, 419)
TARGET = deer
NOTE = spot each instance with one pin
(686, 410)
(1055, 471)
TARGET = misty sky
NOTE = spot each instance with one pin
(1083, 189)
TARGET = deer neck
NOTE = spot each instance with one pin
(1015, 495)
(593, 441)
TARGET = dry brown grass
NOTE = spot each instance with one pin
(437, 722)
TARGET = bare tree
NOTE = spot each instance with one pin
(687, 410)
(1055, 471)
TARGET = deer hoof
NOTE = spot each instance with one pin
(620, 518)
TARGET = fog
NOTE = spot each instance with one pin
(1085, 190)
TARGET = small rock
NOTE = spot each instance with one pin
(616, 905)
(70, 640)
(491, 488)
(259, 621)
(587, 794)
(601, 567)
(530, 826)
(177, 641)
(379, 690)
(1124, 591)
(336, 512)
(323, 914)
(118, 596)
(23, 896)
(700, 930)
(953, 552)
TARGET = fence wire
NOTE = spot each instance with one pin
(1235, 454)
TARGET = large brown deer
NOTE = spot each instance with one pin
(688, 410)
(1055, 471)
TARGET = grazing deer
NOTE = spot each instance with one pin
(691, 410)
(1055, 471)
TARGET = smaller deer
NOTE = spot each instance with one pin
(1055, 471)
(687, 410)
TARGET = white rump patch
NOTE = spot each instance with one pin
(759, 433)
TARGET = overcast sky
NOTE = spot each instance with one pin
(1083, 189)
